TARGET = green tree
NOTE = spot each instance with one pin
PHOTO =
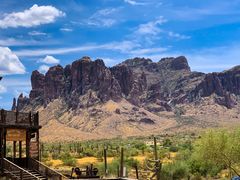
(217, 149)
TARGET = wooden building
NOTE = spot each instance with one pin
(21, 132)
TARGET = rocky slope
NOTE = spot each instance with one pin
(135, 97)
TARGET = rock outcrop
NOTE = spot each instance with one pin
(156, 86)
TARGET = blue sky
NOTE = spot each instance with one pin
(38, 34)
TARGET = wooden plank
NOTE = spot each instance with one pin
(16, 135)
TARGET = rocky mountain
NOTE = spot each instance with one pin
(138, 96)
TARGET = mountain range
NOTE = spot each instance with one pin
(88, 100)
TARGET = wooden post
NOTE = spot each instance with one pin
(37, 134)
(30, 118)
(3, 117)
(27, 146)
(16, 116)
(1, 153)
(136, 168)
(105, 161)
(14, 149)
(121, 162)
(20, 149)
(4, 143)
(156, 158)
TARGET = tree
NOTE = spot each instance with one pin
(219, 149)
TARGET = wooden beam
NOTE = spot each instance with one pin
(14, 149)
(20, 149)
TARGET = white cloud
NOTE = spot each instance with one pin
(34, 16)
(134, 2)
(9, 62)
(23, 42)
(178, 36)
(16, 42)
(50, 60)
(2, 89)
(103, 18)
(37, 33)
(66, 29)
(43, 69)
(152, 27)
(124, 47)
(147, 51)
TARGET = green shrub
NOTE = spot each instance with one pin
(68, 160)
(175, 170)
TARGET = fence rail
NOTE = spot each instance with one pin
(45, 171)
(16, 172)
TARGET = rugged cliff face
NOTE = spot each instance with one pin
(140, 81)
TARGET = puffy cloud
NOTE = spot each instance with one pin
(34, 16)
(9, 62)
(50, 60)
(43, 68)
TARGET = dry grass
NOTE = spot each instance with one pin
(87, 160)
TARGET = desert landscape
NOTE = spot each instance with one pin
(120, 90)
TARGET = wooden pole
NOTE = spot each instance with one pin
(105, 161)
(121, 162)
(1, 153)
(27, 146)
(30, 118)
(37, 134)
(4, 143)
(17, 116)
(20, 149)
(14, 149)
(136, 168)
(156, 159)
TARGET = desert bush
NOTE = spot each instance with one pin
(68, 160)
(175, 170)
